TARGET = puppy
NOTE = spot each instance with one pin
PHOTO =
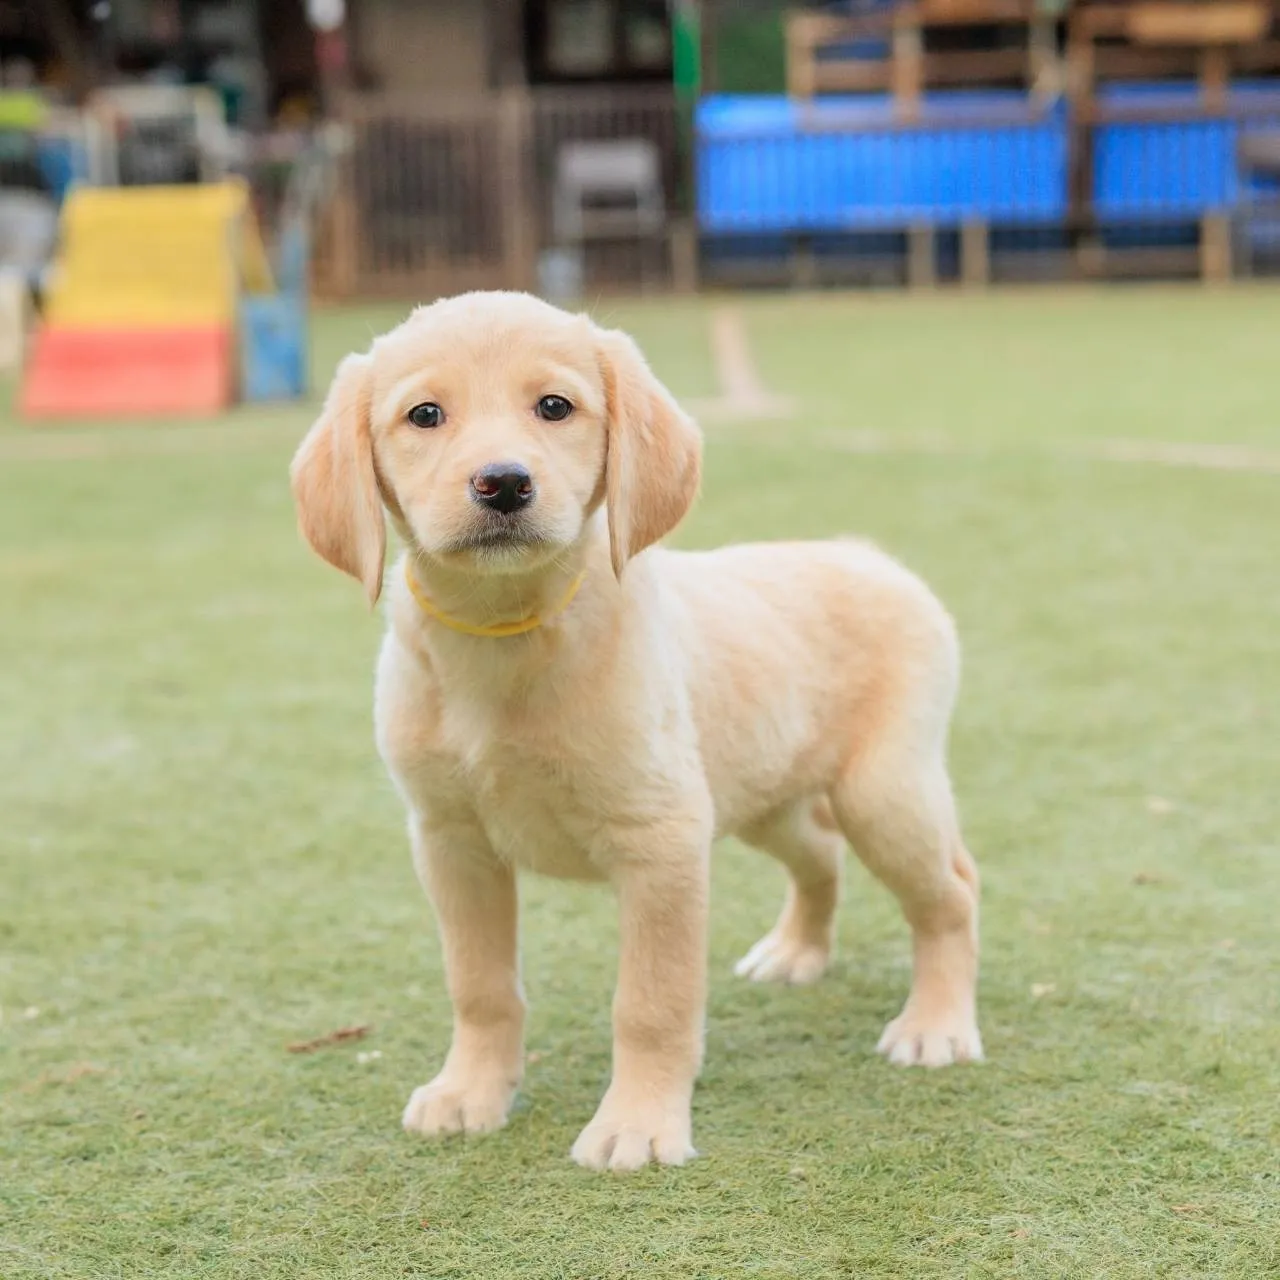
(557, 695)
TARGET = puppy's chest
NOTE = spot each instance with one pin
(531, 789)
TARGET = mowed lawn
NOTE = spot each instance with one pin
(201, 860)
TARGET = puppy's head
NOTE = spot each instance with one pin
(492, 426)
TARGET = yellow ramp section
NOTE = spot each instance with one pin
(156, 256)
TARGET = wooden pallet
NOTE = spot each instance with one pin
(1208, 40)
(909, 69)
(1154, 39)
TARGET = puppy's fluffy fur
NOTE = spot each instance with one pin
(788, 694)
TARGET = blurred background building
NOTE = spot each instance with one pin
(436, 145)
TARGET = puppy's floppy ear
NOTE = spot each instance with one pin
(653, 459)
(334, 483)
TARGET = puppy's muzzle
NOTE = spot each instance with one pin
(505, 487)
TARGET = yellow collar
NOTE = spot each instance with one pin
(498, 629)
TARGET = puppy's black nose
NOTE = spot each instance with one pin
(503, 486)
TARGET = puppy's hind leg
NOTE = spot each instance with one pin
(806, 840)
(895, 805)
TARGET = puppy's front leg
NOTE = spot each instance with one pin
(474, 896)
(659, 1006)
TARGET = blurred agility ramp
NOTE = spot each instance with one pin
(145, 309)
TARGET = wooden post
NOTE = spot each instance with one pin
(520, 267)
(922, 266)
(907, 68)
(1215, 248)
(1081, 64)
(1091, 257)
(684, 255)
(804, 270)
(344, 235)
(1081, 94)
(1215, 73)
(975, 255)
(800, 56)
(1042, 58)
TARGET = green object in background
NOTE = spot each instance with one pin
(22, 110)
(749, 52)
(686, 42)
(686, 75)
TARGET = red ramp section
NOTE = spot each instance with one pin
(99, 373)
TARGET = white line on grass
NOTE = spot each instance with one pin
(743, 397)
(1192, 456)
(1203, 457)
(742, 390)
(79, 444)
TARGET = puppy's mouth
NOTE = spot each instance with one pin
(496, 534)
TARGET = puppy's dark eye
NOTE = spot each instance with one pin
(426, 415)
(554, 408)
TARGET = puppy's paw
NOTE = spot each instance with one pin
(451, 1104)
(781, 957)
(623, 1139)
(934, 1038)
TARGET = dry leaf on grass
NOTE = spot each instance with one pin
(1039, 989)
(1145, 877)
(77, 1071)
(1159, 806)
(334, 1037)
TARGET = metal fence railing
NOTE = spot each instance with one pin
(435, 197)
(617, 247)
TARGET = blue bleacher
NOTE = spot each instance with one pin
(1180, 169)
(771, 165)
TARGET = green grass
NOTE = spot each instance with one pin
(201, 859)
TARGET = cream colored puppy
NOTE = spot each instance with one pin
(557, 695)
